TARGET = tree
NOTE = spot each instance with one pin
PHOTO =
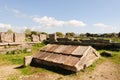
(9, 31)
(70, 34)
(113, 35)
(34, 32)
(28, 32)
(88, 34)
(43, 32)
(59, 34)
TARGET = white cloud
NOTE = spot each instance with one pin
(75, 23)
(101, 25)
(48, 22)
(5, 26)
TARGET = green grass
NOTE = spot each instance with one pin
(13, 58)
(18, 58)
(115, 56)
(114, 39)
(36, 47)
(30, 70)
(92, 66)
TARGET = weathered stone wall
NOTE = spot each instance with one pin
(52, 37)
(42, 37)
(19, 37)
(6, 37)
(35, 38)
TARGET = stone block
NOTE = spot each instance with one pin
(106, 54)
(42, 37)
(19, 37)
(27, 60)
(35, 38)
(52, 37)
(6, 37)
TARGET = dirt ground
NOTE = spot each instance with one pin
(103, 71)
(7, 71)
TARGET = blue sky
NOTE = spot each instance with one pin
(79, 16)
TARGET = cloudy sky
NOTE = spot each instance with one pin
(79, 16)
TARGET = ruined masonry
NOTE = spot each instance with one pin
(42, 37)
(69, 57)
(35, 38)
(19, 37)
(6, 37)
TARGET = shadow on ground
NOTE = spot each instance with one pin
(53, 69)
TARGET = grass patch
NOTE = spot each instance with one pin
(13, 58)
(115, 56)
(30, 70)
(18, 58)
(37, 46)
(92, 66)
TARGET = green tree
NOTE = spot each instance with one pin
(88, 34)
(59, 34)
(113, 35)
(43, 32)
(70, 34)
(34, 32)
(28, 32)
(10, 31)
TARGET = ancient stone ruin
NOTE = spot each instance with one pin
(97, 43)
(42, 37)
(6, 37)
(35, 38)
(17, 41)
(19, 37)
(68, 57)
(52, 37)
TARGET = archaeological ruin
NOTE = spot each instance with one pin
(73, 58)
(13, 41)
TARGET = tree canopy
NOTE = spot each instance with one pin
(70, 34)
(59, 34)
